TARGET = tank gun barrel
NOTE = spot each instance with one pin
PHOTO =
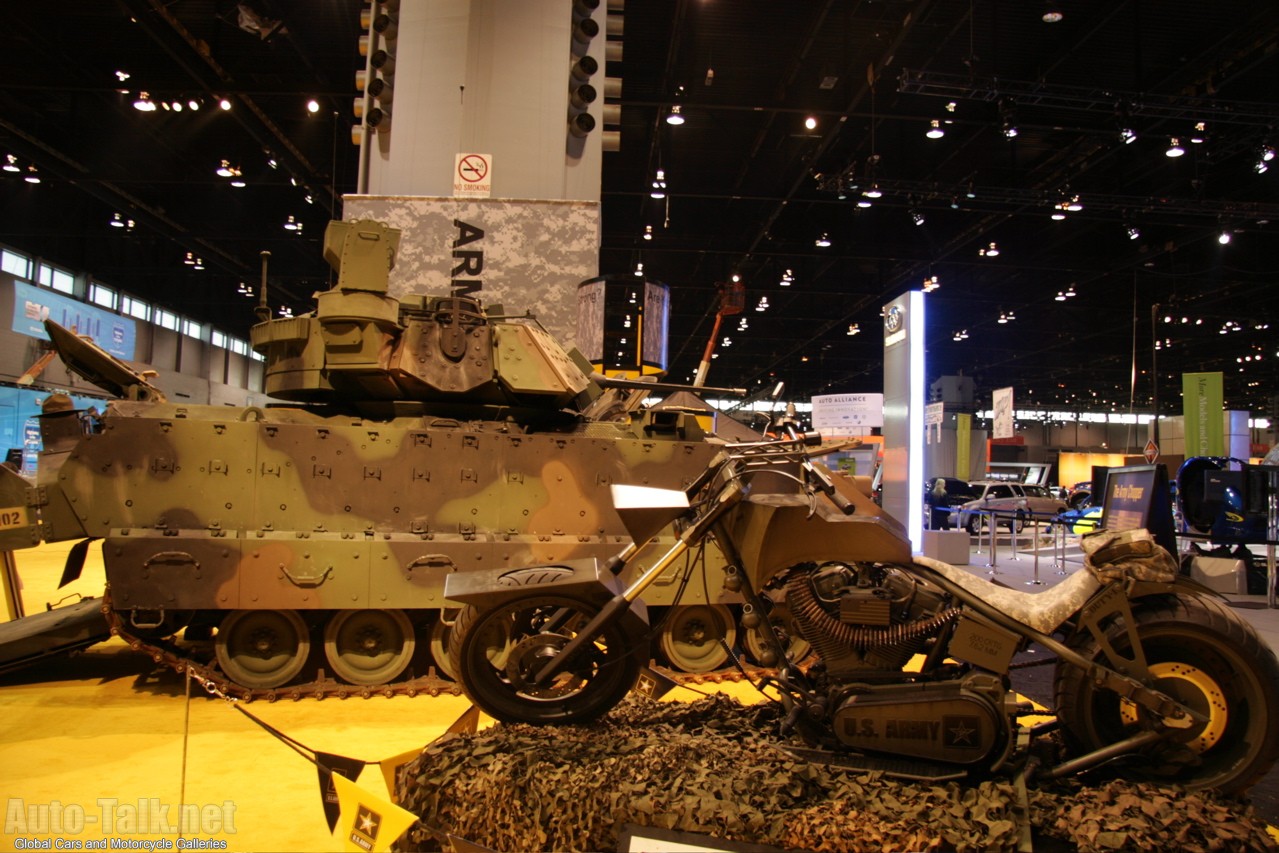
(640, 384)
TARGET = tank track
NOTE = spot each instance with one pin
(174, 657)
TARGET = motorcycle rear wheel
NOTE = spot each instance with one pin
(497, 651)
(1206, 657)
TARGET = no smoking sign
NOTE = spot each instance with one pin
(473, 176)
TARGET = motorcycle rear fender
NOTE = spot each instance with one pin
(586, 580)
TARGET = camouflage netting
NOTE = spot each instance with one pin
(710, 767)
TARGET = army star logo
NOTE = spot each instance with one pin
(364, 832)
(962, 732)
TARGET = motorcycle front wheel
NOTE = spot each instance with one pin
(498, 651)
(1205, 657)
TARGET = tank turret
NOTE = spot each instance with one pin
(361, 345)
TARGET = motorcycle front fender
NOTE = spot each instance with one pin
(584, 580)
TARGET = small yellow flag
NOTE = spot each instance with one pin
(368, 823)
(391, 765)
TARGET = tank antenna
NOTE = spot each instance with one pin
(263, 311)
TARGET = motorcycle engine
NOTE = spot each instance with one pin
(863, 618)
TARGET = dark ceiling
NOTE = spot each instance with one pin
(750, 188)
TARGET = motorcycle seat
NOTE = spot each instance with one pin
(1043, 611)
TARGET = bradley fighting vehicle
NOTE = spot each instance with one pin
(417, 438)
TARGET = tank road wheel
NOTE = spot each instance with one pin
(262, 648)
(1204, 656)
(497, 651)
(690, 638)
(369, 646)
(761, 651)
(441, 628)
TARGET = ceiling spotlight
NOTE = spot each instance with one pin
(1059, 211)
(313, 106)
(1201, 133)
(32, 176)
(1133, 233)
(934, 130)
(1003, 318)
(193, 104)
(1174, 148)
(854, 329)
(917, 217)
(1224, 237)
(788, 278)
(674, 116)
(873, 192)
(224, 104)
(1007, 117)
(648, 232)
(177, 106)
(199, 264)
(290, 224)
(1052, 13)
(272, 162)
(225, 169)
(144, 103)
(189, 260)
(990, 252)
(1070, 290)
(1261, 167)
(1267, 153)
(1060, 297)
(237, 181)
(117, 221)
(1127, 135)
(822, 242)
(659, 185)
(1074, 205)
(11, 163)
(931, 283)
(122, 76)
(639, 269)
(960, 335)
(811, 122)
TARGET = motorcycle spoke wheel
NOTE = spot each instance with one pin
(498, 651)
(262, 648)
(369, 646)
(1204, 656)
(690, 639)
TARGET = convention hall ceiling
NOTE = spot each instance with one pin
(1089, 310)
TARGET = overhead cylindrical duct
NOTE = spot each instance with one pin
(583, 68)
(581, 124)
(582, 96)
(585, 30)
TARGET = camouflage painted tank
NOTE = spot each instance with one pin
(420, 437)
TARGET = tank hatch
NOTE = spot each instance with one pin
(363, 345)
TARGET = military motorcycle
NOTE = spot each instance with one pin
(907, 658)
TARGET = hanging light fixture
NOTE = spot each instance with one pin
(11, 163)
(224, 170)
(1008, 118)
(290, 224)
(648, 232)
(1174, 148)
(935, 130)
(1052, 13)
(189, 260)
(917, 217)
(143, 103)
(33, 175)
(854, 329)
(1133, 233)
(811, 122)
(823, 241)
(1224, 237)
(991, 251)
(117, 221)
(659, 185)
(675, 117)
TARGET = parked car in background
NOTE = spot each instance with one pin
(942, 495)
(1014, 503)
